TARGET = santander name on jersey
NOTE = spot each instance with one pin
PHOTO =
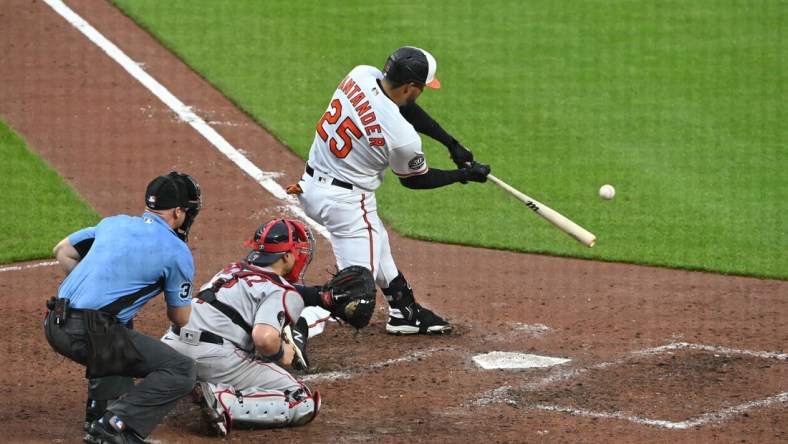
(364, 111)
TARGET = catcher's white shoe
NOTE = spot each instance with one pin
(212, 411)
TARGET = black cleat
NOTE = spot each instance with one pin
(102, 432)
(424, 321)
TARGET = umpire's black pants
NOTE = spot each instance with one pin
(167, 375)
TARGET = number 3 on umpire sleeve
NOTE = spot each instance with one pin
(344, 130)
(186, 290)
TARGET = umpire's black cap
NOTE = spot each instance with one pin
(411, 64)
(165, 192)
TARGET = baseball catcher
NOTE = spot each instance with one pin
(244, 330)
(237, 320)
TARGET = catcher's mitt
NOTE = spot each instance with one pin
(350, 296)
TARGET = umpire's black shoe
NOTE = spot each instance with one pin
(111, 430)
(423, 321)
(93, 411)
(297, 335)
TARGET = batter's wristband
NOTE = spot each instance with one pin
(277, 356)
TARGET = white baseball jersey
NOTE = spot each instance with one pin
(257, 294)
(362, 133)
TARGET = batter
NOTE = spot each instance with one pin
(372, 124)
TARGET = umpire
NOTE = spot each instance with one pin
(112, 270)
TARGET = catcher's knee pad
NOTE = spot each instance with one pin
(267, 411)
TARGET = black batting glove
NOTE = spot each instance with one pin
(460, 155)
(475, 172)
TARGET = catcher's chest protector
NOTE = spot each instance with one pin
(254, 281)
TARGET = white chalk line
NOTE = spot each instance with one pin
(567, 374)
(348, 374)
(704, 419)
(184, 112)
(717, 349)
(27, 267)
(501, 394)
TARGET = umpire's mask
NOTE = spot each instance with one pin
(193, 204)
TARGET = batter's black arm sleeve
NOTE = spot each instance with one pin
(424, 123)
(434, 178)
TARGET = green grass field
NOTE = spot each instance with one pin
(679, 105)
(39, 208)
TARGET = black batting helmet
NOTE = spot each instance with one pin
(411, 64)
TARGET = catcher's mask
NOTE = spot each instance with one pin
(279, 236)
(176, 190)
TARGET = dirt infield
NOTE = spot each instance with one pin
(655, 355)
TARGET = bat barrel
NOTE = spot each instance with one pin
(560, 221)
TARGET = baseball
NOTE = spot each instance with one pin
(607, 192)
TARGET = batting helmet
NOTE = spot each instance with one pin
(275, 238)
(411, 64)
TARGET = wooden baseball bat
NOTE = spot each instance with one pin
(559, 220)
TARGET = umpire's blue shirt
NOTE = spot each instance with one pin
(129, 255)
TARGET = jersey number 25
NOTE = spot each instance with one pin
(344, 130)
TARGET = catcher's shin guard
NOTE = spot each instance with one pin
(267, 408)
(213, 412)
(304, 406)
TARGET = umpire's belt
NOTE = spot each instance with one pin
(335, 182)
(205, 336)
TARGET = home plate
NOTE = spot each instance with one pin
(498, 360)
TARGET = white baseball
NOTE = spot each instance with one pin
(607, 192)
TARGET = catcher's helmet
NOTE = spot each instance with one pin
(411, 64)
(275, 238)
